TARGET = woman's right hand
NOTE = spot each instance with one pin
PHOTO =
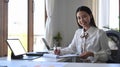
(57, 51)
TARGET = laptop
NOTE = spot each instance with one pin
(46, 44)
(18, 49)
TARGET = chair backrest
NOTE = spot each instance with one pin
(115, 37)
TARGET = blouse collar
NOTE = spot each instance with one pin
(89, 31)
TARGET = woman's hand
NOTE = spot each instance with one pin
(57, 51)
(85, 55)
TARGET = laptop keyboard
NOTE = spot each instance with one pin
(30, 57)
(36, 53)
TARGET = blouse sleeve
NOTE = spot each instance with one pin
(104, 53)
(71, 48)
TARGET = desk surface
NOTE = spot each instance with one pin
(26, 63)
(50, 59)
(42, 59)
(51, 64)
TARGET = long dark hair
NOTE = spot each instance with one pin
(87, 10)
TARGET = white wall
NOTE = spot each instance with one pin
(64, 18)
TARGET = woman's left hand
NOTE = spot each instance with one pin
(85, 55)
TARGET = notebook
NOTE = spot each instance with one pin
(50, 55)
(18, 49)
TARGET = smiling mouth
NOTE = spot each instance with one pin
(83, 24)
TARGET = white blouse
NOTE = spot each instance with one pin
(96, 42)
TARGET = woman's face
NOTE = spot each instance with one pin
(83, 19)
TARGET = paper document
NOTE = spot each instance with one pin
(59, 56)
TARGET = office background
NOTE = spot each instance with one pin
(63, 20)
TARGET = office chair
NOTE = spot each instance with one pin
(115, 53)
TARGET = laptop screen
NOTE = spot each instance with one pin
(16, 46)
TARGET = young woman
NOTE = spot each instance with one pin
(89, 42)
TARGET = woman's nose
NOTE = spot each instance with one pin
(81, 20)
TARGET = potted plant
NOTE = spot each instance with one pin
(57, 39)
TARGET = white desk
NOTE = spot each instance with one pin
(23, 63)
(44, 59)
(27, 63)
(17, 63)
(40, 62)
(41, 59)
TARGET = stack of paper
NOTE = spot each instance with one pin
(59, 56)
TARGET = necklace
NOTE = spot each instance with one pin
(83, 46)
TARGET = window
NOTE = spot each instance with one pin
(114, 15)
(18, 20)
(27, 24)
(39, 24)
(109, 14)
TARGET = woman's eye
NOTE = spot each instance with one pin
(84, 16)
(78, 18)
